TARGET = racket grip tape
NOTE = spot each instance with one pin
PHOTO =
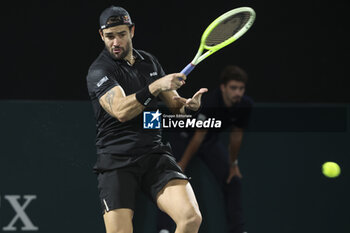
(188, 69)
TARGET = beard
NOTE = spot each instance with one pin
(124, 51)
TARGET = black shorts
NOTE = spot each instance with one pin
(118, 188)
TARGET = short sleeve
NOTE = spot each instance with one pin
(100, 81)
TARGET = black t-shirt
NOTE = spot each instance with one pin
(117, 142)
(213, 106)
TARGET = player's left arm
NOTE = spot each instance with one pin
(177, 104)
(236, 137)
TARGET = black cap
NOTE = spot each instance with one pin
(122, 16)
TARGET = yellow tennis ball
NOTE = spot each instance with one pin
(330, 169)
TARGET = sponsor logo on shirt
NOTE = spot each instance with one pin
(153, 74)
(102, 81)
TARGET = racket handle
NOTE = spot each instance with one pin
(188, 69)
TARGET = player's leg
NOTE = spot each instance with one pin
(118, 221)
(178, 140)
(177, 199)
(117, 191)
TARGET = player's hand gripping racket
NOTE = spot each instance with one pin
(221, 32)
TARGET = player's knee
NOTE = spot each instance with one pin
(119, 228)
(118, 223)
(195, 221)
(190, 221)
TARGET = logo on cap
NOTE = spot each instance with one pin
(126, 19)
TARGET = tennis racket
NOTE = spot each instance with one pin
(221, 32)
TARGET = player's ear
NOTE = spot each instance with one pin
(132, 31)
(101, 34)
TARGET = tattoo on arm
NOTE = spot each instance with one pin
(109, 99)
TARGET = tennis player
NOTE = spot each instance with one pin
(122, 83)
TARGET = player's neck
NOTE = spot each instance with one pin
(130, 59)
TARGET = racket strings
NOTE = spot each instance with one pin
(227, 28)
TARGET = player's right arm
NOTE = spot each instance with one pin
(120, 106)
(124, 108)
